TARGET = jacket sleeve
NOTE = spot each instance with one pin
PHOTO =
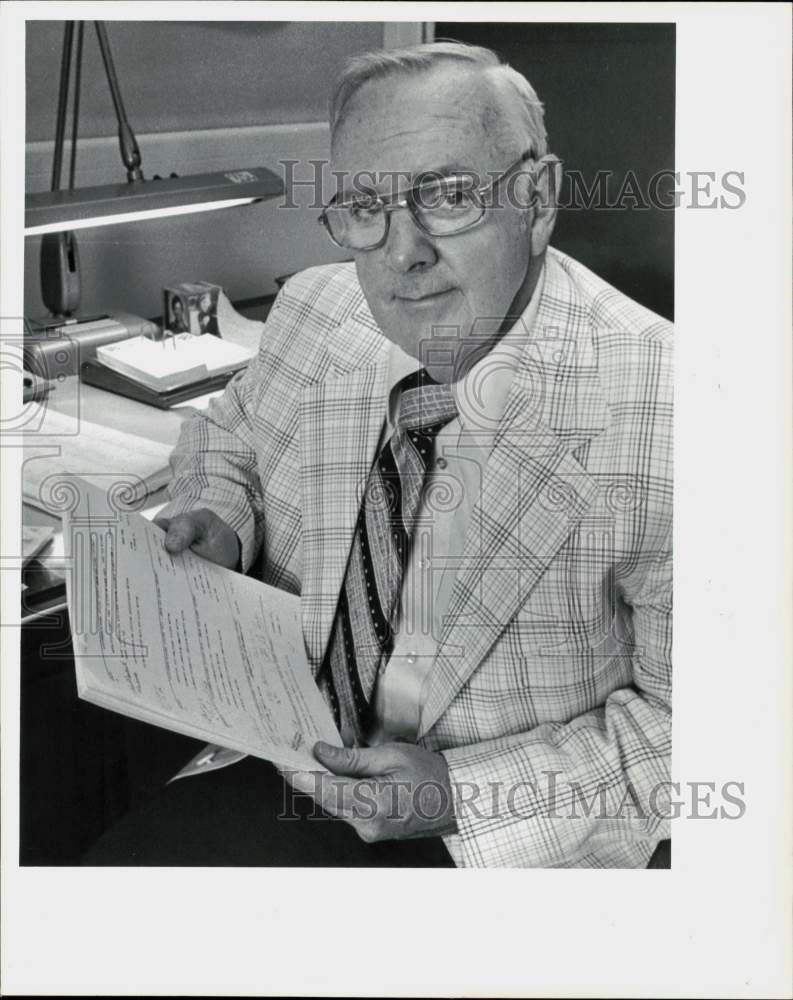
(224, 457)
(215, 461)
(593, 785)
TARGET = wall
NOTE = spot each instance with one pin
(181, 75)
(609, 96)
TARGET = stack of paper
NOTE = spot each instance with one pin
(174, 362)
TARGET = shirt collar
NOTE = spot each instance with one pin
(481, 394)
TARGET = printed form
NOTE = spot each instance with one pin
(179, 642)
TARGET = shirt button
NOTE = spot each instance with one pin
(411, 657)
(441, 463)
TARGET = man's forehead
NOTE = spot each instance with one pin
(441, 83)
(407, 126)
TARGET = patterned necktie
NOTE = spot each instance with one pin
(367, 615)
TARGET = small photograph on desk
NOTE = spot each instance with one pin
(176, 313)
(192, 307)
(207, 314)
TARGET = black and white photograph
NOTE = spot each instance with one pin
(174, 308)
(395, 569)
(208, 311)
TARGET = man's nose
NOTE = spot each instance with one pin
(407, 247)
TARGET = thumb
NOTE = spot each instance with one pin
(182, 532)
(353, 762)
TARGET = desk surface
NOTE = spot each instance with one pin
(43, 576)
(73, 398)
(84, 402)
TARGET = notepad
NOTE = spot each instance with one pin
(177, 361)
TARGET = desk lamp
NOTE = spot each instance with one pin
(56, 214)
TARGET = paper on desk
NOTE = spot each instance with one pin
(236, 328)
(184, 644)
(180, 361)
(34, 539)
(64, 444)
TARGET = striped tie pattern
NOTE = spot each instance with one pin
(367, 615)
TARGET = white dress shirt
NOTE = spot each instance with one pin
(452, 488)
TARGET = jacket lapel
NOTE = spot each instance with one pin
(341, 419)
(534, 490)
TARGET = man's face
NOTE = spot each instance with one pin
(439, 121)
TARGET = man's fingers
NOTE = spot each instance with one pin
(307, 782)
(206, 534)
(354, 762)
(333, 794)
(182, 532)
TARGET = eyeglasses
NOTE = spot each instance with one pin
(442, 206)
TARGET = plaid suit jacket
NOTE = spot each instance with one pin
(550, 696)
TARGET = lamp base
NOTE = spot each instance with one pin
(60, 273)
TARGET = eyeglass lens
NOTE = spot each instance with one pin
(442, 208)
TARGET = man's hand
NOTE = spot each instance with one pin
(204, 533)
(389, 792)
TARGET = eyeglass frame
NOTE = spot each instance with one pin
(406, 200)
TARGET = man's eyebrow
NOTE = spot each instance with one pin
(447, 170)
(444, 170)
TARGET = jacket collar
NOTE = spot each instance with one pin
(559, 353)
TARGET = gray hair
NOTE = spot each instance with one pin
(418, 58)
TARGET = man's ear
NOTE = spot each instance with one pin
(547, 180)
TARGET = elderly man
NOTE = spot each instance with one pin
(457, 450)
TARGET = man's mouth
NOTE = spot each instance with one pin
(416, 298)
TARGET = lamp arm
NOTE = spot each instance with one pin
(78, 68)
(63, 96)
(130, 153)
(58, 258)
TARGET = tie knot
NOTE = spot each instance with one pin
(424, 404)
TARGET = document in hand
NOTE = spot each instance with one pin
(184, 644)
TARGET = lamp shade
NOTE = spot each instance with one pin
(110, 204)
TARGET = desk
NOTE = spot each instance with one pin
(74, 399)
(82, 767)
